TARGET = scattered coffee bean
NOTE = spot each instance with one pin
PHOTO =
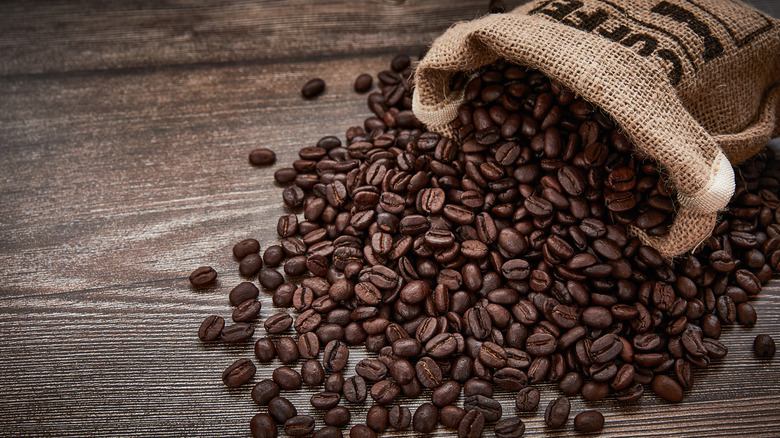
(240, 372)
(211, 328)
(313, 88)
(363, 83)
(764, 346)
(589, 422)
(557, 412)
(262, 157)
(203, 276)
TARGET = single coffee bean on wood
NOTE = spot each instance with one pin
(203, 276)
(238, 373)
(313, 88)
(764, 346)
(262, 157)
(589, 421)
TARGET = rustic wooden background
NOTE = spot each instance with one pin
(124, 134)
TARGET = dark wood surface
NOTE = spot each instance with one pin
(124, 132)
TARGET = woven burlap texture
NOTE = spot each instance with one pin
(729, 104)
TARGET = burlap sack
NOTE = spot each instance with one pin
(687, 80)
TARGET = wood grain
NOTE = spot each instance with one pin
(123, 166)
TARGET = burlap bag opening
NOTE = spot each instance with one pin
(695, 85)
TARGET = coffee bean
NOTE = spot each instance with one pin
(541, 344)
(263, 426)
(313, 88)
(399, 417)
(764, 346)
(471, 425)
(361, 431)
(335, 356)
(355, 390)
(203, 276)
(489, 407)
(246, 311)
(242, 292)
(287, 378)
(281, 409)
(557, 412)
(377, 418)
(278, 323)
(238, 373)
(589, 422)
(426, 417)
(527, 399)
(446, 394)
(667, 388)
(385, 391)
(262, 157)
(363, 83)
(299, 425)
(270, 279)
(238, 332)
(211, 328)
(246, 247)
(325, 400)
(264, 391)
(338, 416)
(328, 432)
(510, 428)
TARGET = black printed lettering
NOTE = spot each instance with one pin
(588, 22)
(616, 34)
(675, 73)
(712, 47)
(560, 9)
(648, 46)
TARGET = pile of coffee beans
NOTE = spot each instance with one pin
(489, 262)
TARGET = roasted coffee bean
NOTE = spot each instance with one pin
(312, 373)
(328, 432)
(270, 278)
(489, 407)
(512, 427)
(667, 388)
(385, 391)
(273, 255)
(335, 356)
(325, 400)
(263, 426)
(278, 323)
(355, 390)
(428, 373)
(281, 409)
(426, 417)
(338, 416)
(371, 369)
(400, 417)
(287, 350)
(557, 412)
(446, 394)
(527, 399)
(264, 391)
(377, 418)
(246, 311)
(238, 332)
(541, 344)
(203, 276)
(238, 373)
(363, 83)
(246, 247)
(287, 378)
(471, 424)
(211, 328)
(300, 425)
(589, 422)
(313, 88)
(764, 346)
(242, 292)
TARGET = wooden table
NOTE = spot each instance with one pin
(124, 134)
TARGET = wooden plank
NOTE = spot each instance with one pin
(115, 184)
(88, 35)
